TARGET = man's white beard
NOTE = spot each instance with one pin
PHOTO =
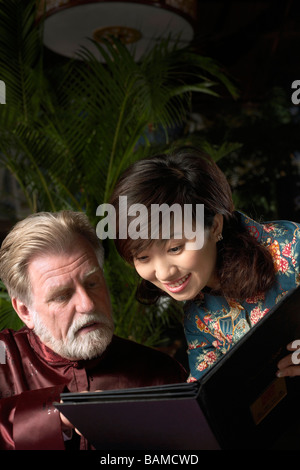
(78, 346)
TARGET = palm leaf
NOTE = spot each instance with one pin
(67, 143)
(20, 58)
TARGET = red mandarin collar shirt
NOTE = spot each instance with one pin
(32, 377)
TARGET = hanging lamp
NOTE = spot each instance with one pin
(69, 24)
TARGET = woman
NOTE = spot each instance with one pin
(232, 281)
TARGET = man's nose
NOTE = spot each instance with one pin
(85, 303)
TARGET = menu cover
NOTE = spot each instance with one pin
(146, 418)
(238, 404)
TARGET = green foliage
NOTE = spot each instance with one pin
(67, 135)
(8, 317)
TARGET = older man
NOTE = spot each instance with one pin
(51, 266)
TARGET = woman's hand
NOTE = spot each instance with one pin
(289, 366)
(66, 426)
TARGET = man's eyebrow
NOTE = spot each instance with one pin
(56, 290)
(92, 271)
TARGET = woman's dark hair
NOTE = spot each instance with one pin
(189, 176)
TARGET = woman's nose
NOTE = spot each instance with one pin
(165, 271)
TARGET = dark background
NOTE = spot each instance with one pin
(258, 44)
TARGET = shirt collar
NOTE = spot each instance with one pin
(253, 227)
(45, 353)
(49, 356)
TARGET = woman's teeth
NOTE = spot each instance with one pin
(180, 282)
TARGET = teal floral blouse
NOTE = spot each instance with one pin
(213, 324)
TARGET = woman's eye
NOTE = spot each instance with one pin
(141, 258)
(175, 249)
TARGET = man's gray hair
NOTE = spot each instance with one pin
(38, 234)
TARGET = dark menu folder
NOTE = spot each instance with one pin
(238, 404)
(148, 418)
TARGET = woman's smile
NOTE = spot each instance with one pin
(178, 271)
(178, 285)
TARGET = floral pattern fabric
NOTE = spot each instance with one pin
(213, 324)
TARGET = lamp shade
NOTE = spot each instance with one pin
(69, 24)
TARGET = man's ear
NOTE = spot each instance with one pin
(23, 312)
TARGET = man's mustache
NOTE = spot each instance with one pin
(86, 320)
